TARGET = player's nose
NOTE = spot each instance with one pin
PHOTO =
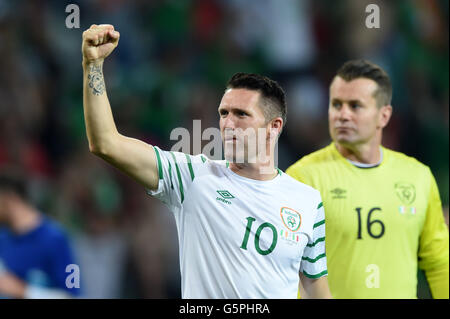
(345, 114)
(228, 122)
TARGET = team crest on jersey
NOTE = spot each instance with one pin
(291, 218)
(406, 192)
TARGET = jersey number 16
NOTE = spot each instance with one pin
(371, 222)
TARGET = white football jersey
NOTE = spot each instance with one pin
(240, 237)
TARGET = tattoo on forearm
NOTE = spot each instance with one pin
(96, 82)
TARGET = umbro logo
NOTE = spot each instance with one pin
(338, 193)
(224, 196)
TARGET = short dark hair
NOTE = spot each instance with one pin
(270, 90)
(13, 182)
(360, 68)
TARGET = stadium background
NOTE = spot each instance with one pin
(170, 67)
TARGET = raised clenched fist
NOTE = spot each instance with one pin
(98, 42)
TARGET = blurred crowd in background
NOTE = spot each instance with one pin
(172, 63)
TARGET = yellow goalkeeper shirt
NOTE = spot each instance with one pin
(381, 224)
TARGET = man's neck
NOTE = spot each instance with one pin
(365, 153)
(255, 171)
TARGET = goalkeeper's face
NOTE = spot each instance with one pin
(243, 127)
(353, 115)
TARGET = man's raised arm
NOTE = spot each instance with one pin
(134, 157)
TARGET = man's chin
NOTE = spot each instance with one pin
(232, 157)
(347, 142)
(235, 159)
(344, 139)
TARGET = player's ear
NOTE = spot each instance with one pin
(275, 127)
(385, 115)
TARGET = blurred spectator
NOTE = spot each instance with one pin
(35, 255)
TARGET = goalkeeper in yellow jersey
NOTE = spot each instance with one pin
(383, 213)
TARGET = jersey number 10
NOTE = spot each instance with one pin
(371, 222)
(267, 251)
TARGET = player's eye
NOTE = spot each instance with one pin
(223, 113)
(241, 113)
(336, 104)
(355, 106)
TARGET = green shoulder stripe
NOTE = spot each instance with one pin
(319, 223)
(180, 182)
(323, 273)
(320, 205)
(316, 242)
(158, 157)
(191, 170)
(170, 175)
(315, 259)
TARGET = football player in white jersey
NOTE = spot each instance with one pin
(245, 228)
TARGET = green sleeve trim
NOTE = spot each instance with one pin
(316, 242)
(323, 273)
(180, 182)
(320, 205)
(191, 170)
(228, 164)
(203, 158)
(319, 223)
(279, 171)
(315, 259)
(158, 157)
(170, 173)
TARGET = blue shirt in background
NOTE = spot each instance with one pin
(40, 256)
